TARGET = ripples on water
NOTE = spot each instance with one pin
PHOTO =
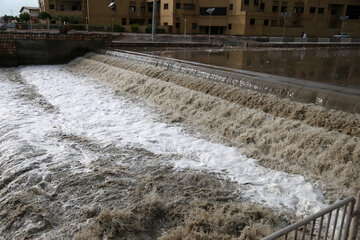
(327, 65)
(79, 157)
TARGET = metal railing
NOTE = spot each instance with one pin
(324, 225)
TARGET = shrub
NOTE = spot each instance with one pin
(94, 27)
(160, 30)
(134, 28)
(117, 28)
(148, 29)
(79, 27)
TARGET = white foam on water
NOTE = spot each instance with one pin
(87, 108)
(29, 135)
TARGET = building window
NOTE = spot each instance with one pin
(142, 8)
(178, 5)
(298, 9)
(275, 8)
(256, 2)
(320, 10)
(61, 7)
(194, 26)
(353, 12)
(262, 7)
(231, 6)
(246, 2)
(252, 21)
(177, 25)
(283, 8)
(150, 21)
(312, 10)
(219, 11)
(266, 22)
(132, 6)
(166, 6)
(52, 6)
(230, 26)
(165, 24)
(123, 21)
(189, 6)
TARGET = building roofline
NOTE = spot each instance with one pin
(29, 8)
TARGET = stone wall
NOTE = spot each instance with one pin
(47, 48)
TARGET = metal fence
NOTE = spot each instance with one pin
(340, 221)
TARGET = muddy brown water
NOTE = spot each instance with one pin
(144, 200)
(288, 136)
(42, 197)
(340, 66)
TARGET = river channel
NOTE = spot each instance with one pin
(110, 146)
(340, 66)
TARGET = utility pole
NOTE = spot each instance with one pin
(112, 26)
(210, 11)
(284, 15)
(153, 21)
(185, 27)
(112, 6)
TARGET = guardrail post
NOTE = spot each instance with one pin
(355, 219)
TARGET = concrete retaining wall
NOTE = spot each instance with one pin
(47, 48)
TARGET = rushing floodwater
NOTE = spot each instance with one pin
(329, 65)
(89, 110)
(79, 106)
(82, 154)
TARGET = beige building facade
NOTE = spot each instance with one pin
(63, 7)
(320, 18)
(316, 18)
(126, 12)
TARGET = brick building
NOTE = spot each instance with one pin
(320, 18)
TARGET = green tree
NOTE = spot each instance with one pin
(44, 15)
(7, 18)
(24, 17)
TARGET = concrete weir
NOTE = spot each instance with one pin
(322, 94)
(53, 48)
